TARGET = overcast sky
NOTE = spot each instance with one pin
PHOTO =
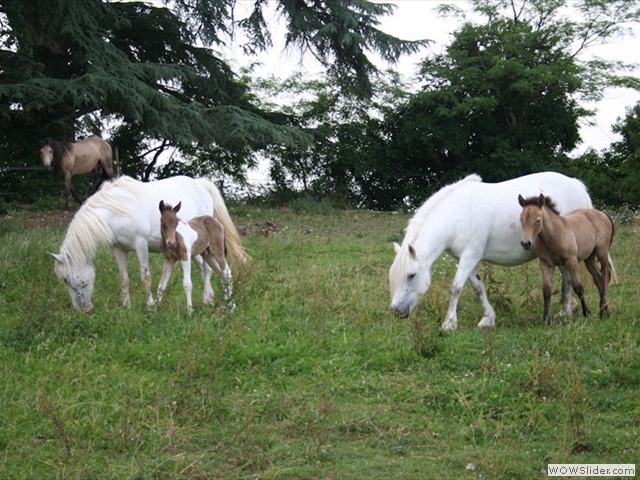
(417, 19)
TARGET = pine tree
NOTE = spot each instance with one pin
(72, 66)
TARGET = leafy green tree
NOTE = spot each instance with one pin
(505, 98)
(151, 74)
(613, 175)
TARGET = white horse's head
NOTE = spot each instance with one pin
(79, 281)
(46, 155)
(408, 282)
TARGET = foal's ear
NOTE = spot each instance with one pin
(521, 200)
(541, 200)
(177, 207)
(161, 205)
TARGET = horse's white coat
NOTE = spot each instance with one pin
(124, 215)
(474, 221)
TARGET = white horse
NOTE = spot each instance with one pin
(474, 221)
(124, 215)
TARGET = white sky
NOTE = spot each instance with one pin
(417, 19)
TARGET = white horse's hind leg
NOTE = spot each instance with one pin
(121, 261)
(568, 306)
(142, 251)
(489, 314)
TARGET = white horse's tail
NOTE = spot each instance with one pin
(231, 236)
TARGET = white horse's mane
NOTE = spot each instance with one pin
(401, 263)
(88, 230)
(422, 214)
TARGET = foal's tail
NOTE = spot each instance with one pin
(231, 236)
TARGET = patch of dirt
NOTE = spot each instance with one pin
(51, 219)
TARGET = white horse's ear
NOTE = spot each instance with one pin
(396, 247)
(412, 251)
(56, 257)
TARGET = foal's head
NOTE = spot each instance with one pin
(169, 223)
(532, 217)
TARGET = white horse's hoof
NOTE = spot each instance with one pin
(449, 326)
(487, 322)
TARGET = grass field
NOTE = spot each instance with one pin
(311, 376)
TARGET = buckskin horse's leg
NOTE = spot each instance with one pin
(573, 267)
(547, 269)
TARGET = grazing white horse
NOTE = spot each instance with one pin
(124, 215)
(474, 221)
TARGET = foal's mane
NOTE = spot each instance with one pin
(548, 201)
(88, 230)
(422, 214)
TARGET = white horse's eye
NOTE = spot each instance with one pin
(411, 276)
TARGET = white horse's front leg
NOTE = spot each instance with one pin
(121, 261)
(489, 314)
(186, 283)
(167, 268)
(142, 251)
(465, 268)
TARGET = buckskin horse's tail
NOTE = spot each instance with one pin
(231, 236)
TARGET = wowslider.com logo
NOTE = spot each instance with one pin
(591, 470)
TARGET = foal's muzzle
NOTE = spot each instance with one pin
(526, 244)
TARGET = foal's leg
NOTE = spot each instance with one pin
(205, 273)
(219, 264)
(547, 269)
(186, 282)
(121, 261)
(601, 278)
(167, 268)
(574, 269)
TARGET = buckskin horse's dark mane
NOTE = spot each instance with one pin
(60, 149)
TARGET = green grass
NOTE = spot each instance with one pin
(311, 376)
